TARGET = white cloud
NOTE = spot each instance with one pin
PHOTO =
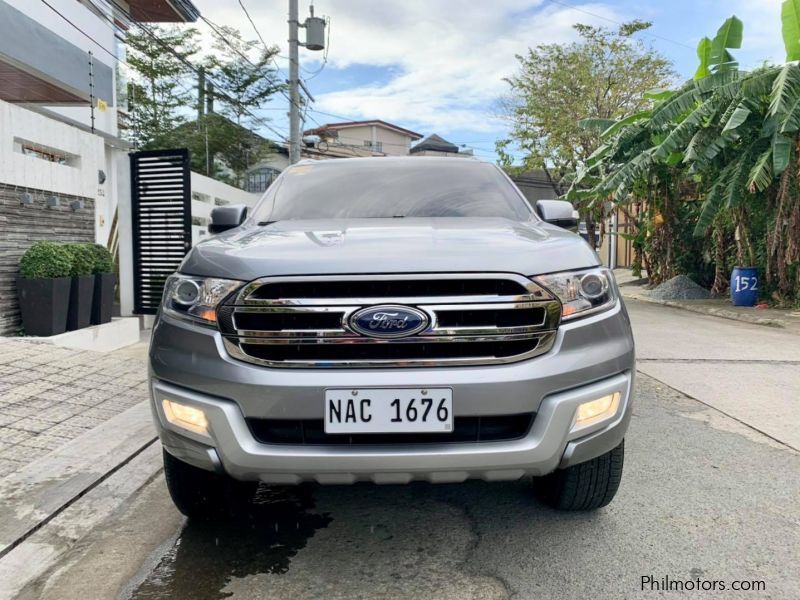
(448, 58)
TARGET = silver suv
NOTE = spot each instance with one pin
(391, 320)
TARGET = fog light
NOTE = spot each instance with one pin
(595, 410)
(188, 417)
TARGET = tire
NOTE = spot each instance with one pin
(202, 495)
(586, 486)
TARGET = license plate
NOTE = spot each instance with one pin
(381, 410)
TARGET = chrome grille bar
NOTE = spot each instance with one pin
(531, 333)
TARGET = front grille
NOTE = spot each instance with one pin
(391, 350)
(303, 322)
(388, 288)
(465, 429)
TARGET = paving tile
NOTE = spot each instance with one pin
(31, 425)
(86, 420)
(21, 409)
(66, 430)
(50, 395)
(12, 436)
(39, 403)
(44, 440)
(9, 466)
(24, 454)
(104, 413)
(7, 419)
(59, 413)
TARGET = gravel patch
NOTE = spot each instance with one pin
(679, 288)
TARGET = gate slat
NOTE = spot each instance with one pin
(161, 198)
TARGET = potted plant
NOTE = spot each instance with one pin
(105, 280)
(43, 288)
(82, 289)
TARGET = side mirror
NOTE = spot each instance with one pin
(558, 212)
(227, 217)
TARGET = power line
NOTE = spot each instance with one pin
(649, 34)
(258, 33)
(216, 29)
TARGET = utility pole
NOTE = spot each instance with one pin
(294, 84)
(315, 40)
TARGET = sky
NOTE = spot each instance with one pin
(437, 66)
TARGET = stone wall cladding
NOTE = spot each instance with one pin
(21, 226)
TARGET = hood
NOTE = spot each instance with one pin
(362, 246)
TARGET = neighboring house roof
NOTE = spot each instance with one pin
(435, 143)
(376, 122)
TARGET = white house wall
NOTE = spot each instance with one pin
(78, 178)
(209, 193)
(393, 143)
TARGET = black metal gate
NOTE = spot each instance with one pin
(161, 206)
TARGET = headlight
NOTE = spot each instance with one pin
(196, 298)
(581, 292)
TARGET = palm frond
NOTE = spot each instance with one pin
(683, 131)
(781, 153)
(785, 89)
(711, 205)
(623, 178)
(790, 22)
(761, 174)
(622, 123)
(596, 124)
(791, 120)
(737, 118)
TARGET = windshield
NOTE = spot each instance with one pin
(387, 188)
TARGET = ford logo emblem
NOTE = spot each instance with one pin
(388, 321)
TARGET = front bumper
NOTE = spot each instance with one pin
(591, 358)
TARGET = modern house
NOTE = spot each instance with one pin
(335, 140)
(64, 166)
(363, 138)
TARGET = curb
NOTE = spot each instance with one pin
(705, 310)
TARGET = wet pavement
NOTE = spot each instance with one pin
(269, 530)
(703, 496)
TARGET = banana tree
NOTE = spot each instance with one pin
(734, 134)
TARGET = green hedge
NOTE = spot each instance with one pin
(103, 261)
(46, 260)
(82, 259)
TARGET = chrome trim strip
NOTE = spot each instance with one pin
(416, 339)
(370, 301)
(324, 335)
(546, 341)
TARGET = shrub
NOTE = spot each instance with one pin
(103, 261)
(82, 258)
(45, 260)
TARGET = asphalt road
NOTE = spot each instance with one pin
(704, 497)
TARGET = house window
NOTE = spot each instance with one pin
(47, 153)
(259, 180)
(377, 146)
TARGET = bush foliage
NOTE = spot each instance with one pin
(82, 258)
(46, 260)
(103, 261)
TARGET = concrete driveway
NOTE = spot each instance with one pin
(706, 500)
